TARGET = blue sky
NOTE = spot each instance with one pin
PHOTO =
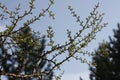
(64, 20)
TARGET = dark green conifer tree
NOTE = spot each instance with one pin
(107, 60)
(101, 69)
(26, 56)
(115, 53)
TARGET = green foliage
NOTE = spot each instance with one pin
(101, 64)
(27, 47)
(107, 60)
(25, 57)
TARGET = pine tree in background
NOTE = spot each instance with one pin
(107, 60)
(115, 53)
(101, 68)
(25, 57)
